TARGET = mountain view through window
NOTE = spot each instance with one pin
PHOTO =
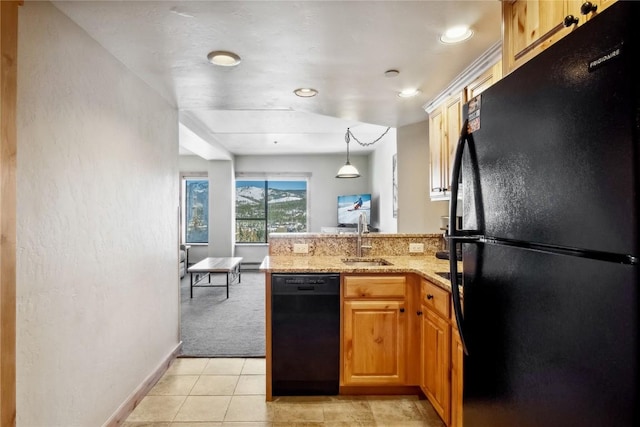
(197, 210)
(264, 207)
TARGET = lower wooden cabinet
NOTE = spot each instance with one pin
(436, 349)
(457, 355)
(374, 333)
(374, 343)
(379, 346)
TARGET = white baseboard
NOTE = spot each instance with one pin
(120, 415)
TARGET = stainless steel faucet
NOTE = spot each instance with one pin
(362, 228)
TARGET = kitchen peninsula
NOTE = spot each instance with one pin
(397, 334)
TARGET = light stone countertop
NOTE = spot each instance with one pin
(351, 233)
(424, 265)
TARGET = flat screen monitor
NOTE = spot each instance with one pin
(350, 207)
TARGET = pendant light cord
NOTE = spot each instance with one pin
(349, 135)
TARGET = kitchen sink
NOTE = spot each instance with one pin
(365, 262)
(447, 275)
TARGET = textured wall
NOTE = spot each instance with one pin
(97, 269)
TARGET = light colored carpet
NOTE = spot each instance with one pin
(213, 326)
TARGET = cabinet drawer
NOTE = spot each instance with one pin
(436, 298)
(375, 286)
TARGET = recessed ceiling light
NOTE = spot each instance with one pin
(456, 34)
(391, 73)
(223, 58)
(409, 93)
(305, 92)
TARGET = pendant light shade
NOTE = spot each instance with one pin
(348, 171)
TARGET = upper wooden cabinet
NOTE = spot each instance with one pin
(444, 130)
(445, 124)
(486, 80)
(436, 145)
(531, 26)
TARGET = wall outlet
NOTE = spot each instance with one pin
(300, 248)
(416, 247)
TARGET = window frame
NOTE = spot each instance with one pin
(266, 178)
(184, 177)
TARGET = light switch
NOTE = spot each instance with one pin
(416, 247)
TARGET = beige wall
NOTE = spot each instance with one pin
(97, 228)
(381, 176)
(416, 212)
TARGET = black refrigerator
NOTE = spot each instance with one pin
(549, 162)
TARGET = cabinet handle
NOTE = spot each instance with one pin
(588, 7)
(419, 313)
(570, 20)
(402, 310)
(429, 296)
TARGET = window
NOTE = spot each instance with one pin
(264, 207)
(195, 210)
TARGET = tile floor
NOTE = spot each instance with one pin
(231, 393)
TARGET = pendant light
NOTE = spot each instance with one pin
(348, 170)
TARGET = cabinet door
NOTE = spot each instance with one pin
(444, 131)
(436, 153)
(374, 343)
(436, 359)
(600, 4)
(530, 26)
(482, 83)
(603, 4)
(453, 117)
(457, 354)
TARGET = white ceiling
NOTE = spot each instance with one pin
(340, 48)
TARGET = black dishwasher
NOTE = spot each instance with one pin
(305, 334)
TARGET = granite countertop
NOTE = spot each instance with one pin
(350, 233)
(425, 266)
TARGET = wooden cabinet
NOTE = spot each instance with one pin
(436, 348)
(531, 26)
(374, 341)
(394, 323)
(445, 124)
(436, 144)
(486, 80)
(457, 360)
(444, 130)
(595, 7)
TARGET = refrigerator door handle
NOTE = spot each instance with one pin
(457, 235)
(466, 236)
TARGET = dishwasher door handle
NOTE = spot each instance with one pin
(306, 288)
